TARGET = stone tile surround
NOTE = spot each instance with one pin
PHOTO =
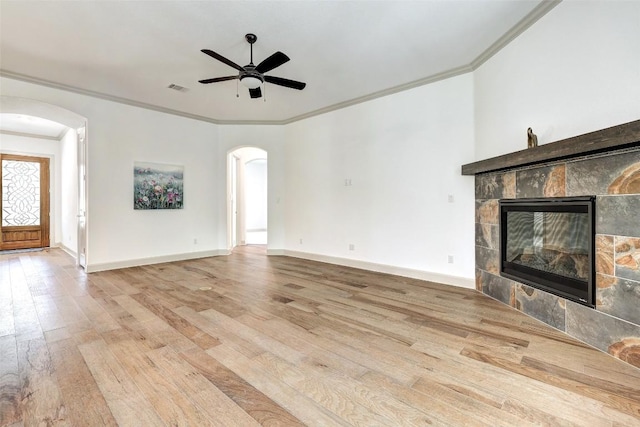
(614, 325)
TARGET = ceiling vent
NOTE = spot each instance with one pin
(177, 87)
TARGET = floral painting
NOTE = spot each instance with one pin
(157, 186)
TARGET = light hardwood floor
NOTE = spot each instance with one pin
(249, 339)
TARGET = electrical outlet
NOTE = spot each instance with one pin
(301, 241)
(352, 247)
(195, 241)
(450, 198)
(450, 259)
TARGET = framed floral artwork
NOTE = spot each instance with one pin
(157, 186)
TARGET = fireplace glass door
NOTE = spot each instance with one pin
(548, 244)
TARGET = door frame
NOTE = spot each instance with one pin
(234, 201)
(81, 236)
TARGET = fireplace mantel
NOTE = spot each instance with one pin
(614, 138)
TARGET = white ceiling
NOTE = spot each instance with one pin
(346, 51)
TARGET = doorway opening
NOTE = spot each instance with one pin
(33, 129)
(247, 197)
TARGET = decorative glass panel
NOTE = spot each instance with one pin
(20, 193)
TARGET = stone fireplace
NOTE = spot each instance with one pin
(606, 165)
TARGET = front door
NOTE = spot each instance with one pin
(25, 202)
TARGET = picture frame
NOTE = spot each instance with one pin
(157, 186)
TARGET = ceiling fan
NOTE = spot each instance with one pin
(252, 76)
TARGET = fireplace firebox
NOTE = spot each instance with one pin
(549, 244)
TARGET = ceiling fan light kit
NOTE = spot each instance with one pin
(252, 76)
(251, 82)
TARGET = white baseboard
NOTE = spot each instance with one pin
(92, 268)
(280, 252)
(67, 249)
(462, 282)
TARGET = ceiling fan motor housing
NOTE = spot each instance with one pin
(250, 71)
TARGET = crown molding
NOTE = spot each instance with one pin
(385, 92)
(532, 17)
(95, 94)
(100, 95)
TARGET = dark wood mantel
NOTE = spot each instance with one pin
(614, 138)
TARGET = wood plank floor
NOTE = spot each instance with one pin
(254, 340)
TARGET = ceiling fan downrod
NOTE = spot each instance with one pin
(251, 38)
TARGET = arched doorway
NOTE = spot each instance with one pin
(247, 197)
(72, 196)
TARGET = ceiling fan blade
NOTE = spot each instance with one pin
(275, 60)
(255, 93)
(218, 79)
(285, 82)
(222, 59)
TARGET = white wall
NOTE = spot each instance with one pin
(118, 135)
(256, 194)
(69, 190)
(40, 147)
(577, 70)
(402, 154)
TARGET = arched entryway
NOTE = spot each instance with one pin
(247, 197)
(68, 188)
